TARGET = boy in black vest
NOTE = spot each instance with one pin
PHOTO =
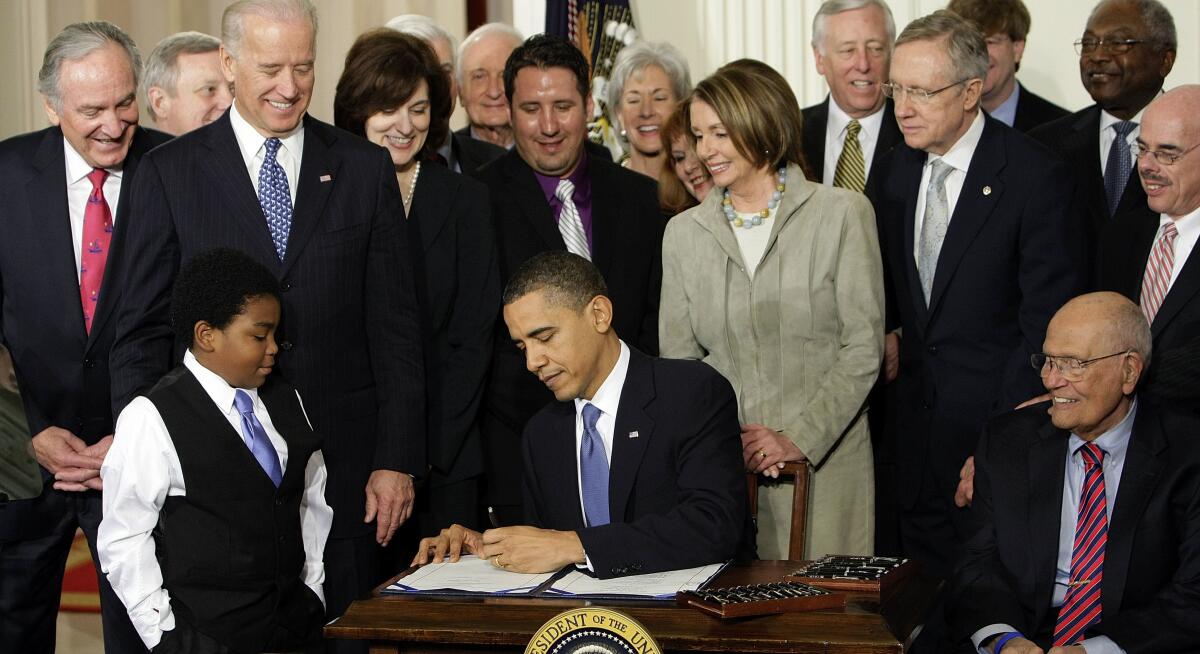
(214, 511)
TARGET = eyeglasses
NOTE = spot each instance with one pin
(1164, 158)
(1111, 46)
(1070, 368)
(917, 96)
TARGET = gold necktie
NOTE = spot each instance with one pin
(851, 171)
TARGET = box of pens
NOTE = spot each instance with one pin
(857, 574)
(760, 599)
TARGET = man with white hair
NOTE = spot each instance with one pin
(64, 217)
(183, 84)
(462, 153)
(322, 211)
(480, 72)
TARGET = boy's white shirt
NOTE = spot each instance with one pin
(142, 469)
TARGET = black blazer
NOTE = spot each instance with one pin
(1151, 561)
(1076, 139)
(1034, 110)
(349, 338)
(471, 153)
(458, 288)
(62, 369)
(1174, 374)
(1008, 262)
(627, 232)
(677, 492)
(816, 119)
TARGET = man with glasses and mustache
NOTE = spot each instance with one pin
(980, 244)
(1146, 254)
(1088, 510)
(1125, 54)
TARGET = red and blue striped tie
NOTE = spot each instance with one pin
(1081, 608)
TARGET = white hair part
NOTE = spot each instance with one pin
(480, 33)
(233, 21)
(425, 29)
(831, 7)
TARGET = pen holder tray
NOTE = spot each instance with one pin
(857, 574)
(761, 599)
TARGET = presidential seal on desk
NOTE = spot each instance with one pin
(592, 630)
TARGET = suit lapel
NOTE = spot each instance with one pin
(431, 202)
(981, 191)
(1085, 143)
(226, 166)
(318, 174)
(1143, 462)
(1180, 294)
(712, 219)
(1047, 472)
(605, 216)
(910, 164)
(46, 194)
(628, 449)
(815, 126)
(889, 135)
(562, 480)
(529, 197)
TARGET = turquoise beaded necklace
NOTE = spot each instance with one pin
(758, 218)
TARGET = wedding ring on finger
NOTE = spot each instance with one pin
(762, 453)
(496, 562)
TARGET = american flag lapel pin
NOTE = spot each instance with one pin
(326, 178)
(633, 434)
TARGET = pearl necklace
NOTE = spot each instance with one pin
(737, 221)
(412, 187)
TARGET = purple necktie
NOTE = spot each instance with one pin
(256, 438)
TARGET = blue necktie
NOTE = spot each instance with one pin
(593, 470)
(276, 198)
(256, 438)
(1120, 164)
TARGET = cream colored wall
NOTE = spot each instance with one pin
(709, 32)
(26, 26)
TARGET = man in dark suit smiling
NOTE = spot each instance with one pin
(651, 446)
(321, 209)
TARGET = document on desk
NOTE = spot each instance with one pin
(659, 585)
(470, 574)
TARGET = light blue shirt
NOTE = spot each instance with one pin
(1007, 111)
(1115, 443)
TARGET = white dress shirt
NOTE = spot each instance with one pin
(1108, 135)
(142, 469)
(79, 189)
(253, 148)
(959, 158)
(835, 138)
(1188, 228)
(607, 399)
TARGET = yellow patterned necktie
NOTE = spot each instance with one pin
(851, 170)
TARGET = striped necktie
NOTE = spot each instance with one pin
(851, 172)
(570, 225)
(1157, 279)
(1081, 607)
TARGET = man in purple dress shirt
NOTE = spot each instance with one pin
(548, 194)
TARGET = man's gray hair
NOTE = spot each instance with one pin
(77, 41)
(1158, 20)
(965, 45)
(635, 58)
(1131, 330)
(162, 66)
(831, 7)
(233, 21)
(478, 34)
(425, 29)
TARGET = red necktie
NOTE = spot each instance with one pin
(1157, 279)
(97, 234)
(1081, 608)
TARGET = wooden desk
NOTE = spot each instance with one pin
(413, 624)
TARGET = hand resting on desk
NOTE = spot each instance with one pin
(519, 549)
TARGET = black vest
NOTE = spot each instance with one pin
(230, 550)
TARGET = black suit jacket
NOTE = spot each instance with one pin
(1009, 260)
(816, 119)
(677, 492)
(62, 369)
(458, 288)
(472, 153)
(1174, 374)
(1034, 110)
(349, 337)
(1150, 594)
(627, 232)
(1076, 139)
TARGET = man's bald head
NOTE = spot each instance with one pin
(1111, 318)
(1171, 126)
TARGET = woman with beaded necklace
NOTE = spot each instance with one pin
(777, 283)
(394, 93)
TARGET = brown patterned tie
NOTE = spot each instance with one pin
(851, 171)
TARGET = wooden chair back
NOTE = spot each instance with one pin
(799, 471)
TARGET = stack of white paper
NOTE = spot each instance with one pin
(470, 574)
